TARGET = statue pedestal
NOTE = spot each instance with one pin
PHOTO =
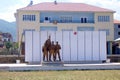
(56, 63)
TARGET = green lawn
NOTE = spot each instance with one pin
(62, 75)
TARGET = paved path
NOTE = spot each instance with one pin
(27, 67)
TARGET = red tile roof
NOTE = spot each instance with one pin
(116, 22)
(49, 6)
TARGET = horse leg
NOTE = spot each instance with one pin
(43, 56)
(49, 55)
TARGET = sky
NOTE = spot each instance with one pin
(7, 9)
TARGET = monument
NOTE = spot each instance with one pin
(85, 46)
(50, 53)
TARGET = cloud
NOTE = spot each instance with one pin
(8, 9)
(8, 13)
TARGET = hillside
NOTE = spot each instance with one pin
(8, 27)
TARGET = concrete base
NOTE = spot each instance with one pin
(33, 63)
(56, 63)
(26, 67)
(83, 62)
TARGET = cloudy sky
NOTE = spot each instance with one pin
(8, 7)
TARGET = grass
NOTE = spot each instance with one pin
(62, 75)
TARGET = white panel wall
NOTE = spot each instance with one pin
(103, 54)
(96, 46)
(88, 46)
(81, 46)
(59, 38)
(36, 47)
(43, 38)
(73, 46)
(66, 46)
(28, 46)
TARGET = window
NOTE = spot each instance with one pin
(65, 19)
(29, 17)
(8, 39)
(83, 20)
(24, 17)
(118, 26)
(46, 18)
(118, 33)
(103, 18)
(85, 28)
(5, 40)
(106, 30)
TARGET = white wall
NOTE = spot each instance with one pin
(82, 46)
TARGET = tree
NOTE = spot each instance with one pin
(8, 45)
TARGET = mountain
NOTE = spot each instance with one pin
(9, 27)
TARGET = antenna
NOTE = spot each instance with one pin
(55, 2)
(31, 3)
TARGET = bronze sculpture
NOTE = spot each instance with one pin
(57, 51)
(51, 50)
(45, 52)
(46, 48)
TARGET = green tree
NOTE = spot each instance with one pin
(16, 46)
(8, 45)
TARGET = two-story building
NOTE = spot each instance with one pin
(53, 16)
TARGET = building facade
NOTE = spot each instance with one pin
(64, 17)
(116, 29)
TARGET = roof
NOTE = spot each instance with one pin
(116, 22)
(51, 6)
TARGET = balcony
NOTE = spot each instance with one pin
(67, 21)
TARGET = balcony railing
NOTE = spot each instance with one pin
(66, 21)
